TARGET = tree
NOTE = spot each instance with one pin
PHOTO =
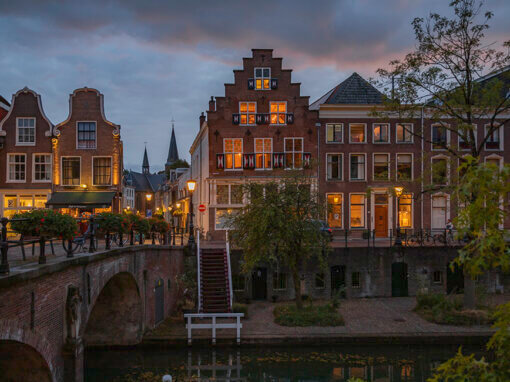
(281, 225)
(456, 80)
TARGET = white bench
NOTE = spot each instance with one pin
(214, 325)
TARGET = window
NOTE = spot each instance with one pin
(263, 150)
(437, 277)
(404, 166)
(25, 132)
(356, 280)
(262, 78)
(278, 112)
(320, 282)
(334, 133)
(335, 210)
(381, 133)
(229, 194)
(247, 111)
(439, 137)
(357, 166)
(279, 280)
(236, 194)
(439, 171)
(466, 145)
(40, 201)
(439, 212)
(334, 166)
(405, 211)
(16, 167)
(86, 135)
(404, 133)
(293, 153)
(71, 171)
(381, 167)
(233, 149)
(238, 283)
(357, 133)
(493, 141)
(102, 171)
(358, 210)
(222, 194)
(221, 217)
(42, 168)
(493, 160)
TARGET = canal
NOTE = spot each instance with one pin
(381, 363)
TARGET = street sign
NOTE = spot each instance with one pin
(201, 207)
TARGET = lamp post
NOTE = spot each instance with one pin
(191, 187)
(398, 193)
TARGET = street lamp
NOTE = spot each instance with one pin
(191, 187)
(398, 193)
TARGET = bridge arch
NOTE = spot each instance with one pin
(22, 362)
(116, 317)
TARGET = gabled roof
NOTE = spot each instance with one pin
(355, 90)
(145, 182)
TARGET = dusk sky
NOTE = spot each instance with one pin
(154, 60)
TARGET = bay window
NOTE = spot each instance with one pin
(334, 166)
(357, 210)
(227, 194)
(233, 149)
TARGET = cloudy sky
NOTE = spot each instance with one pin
(158, 60)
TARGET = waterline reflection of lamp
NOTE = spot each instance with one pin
(398, 193)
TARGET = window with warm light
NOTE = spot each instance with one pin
(335, 210)
(357, 210)
(17, 167)
(405, 210)
(404, 167)
(357, 133)
(247, 112)
(262, 78)
(334, 133)
(404, 133)
(278, 113)
(25, 131)
(381, 167)
(293, 153)
(334, 166)
(233, 149)
(263, 152)
(357, 166)
(381, 132)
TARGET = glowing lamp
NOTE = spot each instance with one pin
(398, 191)
(191, 185)
(149, 197)
(178, 205)
(84, 186)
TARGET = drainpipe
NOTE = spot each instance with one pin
(422, 165)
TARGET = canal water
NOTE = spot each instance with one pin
(382, 363)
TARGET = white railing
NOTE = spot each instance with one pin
(199, 282)
(214, 325)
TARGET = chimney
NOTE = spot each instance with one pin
(202, 120)
(212, 104)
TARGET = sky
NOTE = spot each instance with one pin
(155, 61)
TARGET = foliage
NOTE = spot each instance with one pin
(310, 315)
(281, 225)
(158, 225)
(138, 223)
(240, 308)
(45, 223)
(112, 223)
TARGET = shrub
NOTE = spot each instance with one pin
(318, 315)
(45, 223)
(112, 223)
(159, 226)
(138, 223)
(240, 308)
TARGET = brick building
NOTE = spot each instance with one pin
(25, 154)
(4, 107)
(87, 158)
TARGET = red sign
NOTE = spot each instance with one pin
(201, 207)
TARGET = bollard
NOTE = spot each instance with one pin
(69, 250)
(92, 246)
(4, 265)
(121, 244)
(153, 238)
(107, 241)
(42, 255)
(140, 241)
(131, 237)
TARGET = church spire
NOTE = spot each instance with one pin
(145, 163)
(173, 154)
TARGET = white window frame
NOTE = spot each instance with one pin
(8, 174)
(262, 78)
(33, 168)
(411, 132)
(263, 152)
(412, 167)
(495, 156)
(341, 168)
(388, 129)
(86, 148)
(365, 133)
(229, 204)
(233, 155)
(350, 211)
(278, 113)
(397, 206)
(460, 140)
(111, 170)
(366, 164)
(501, 137)
(342, 135)
(248, 113)
(341, 211)
(216, 228)
(62, 171)
(447, 207)
(293, 152)
(445, 157)
(18, 143)
(447, 130)
(388, 155)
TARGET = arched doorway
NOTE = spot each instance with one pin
(116, 318)
(21, 362)
(399, 287)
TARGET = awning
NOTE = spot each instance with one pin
(81, 199)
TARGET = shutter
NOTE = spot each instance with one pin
(274, 83)
(290, 118)
(276, 162)
(251, 84)
(246, 161)
(307, 159)
(267, 118)
(260, 119)
(220, 161)
(236, 118)
(252, 160)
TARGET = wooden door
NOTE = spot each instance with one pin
(381, 221)
(259, 284)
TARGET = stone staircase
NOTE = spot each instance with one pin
(214, 281)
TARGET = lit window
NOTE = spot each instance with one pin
(357, 166)
(42, 167)
(263, 150)
(439, 171)
(381, 132)
(26, 201)
(10, 201)
(25, 132)
(233, 149)
(278, 112)
(102, 171)
(358, 210)
(40, 201)
(71, 171)
(404, 167)
(356, 280)
(335, 210)
(381, 167)
(320, 282)
(293, 153)
(493, 139)
(439, 137)
(279, 280)
(334, 132)
(262, 78)
(247, 111)
(334, 169)
(357, 133)
(405, 209)
(17, 167)
(221, 218)
(404, 133)
(86, 135)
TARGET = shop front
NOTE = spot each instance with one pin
(80, 203)
(17, 201)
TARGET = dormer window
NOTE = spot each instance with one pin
(25, 132)
(262, 78)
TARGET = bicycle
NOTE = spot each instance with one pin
(116, 239)
(79, 243)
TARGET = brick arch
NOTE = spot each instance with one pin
(14, 333)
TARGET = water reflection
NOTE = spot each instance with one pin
(298, 364)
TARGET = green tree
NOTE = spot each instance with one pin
(281, 225)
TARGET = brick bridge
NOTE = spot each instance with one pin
(49, 313)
